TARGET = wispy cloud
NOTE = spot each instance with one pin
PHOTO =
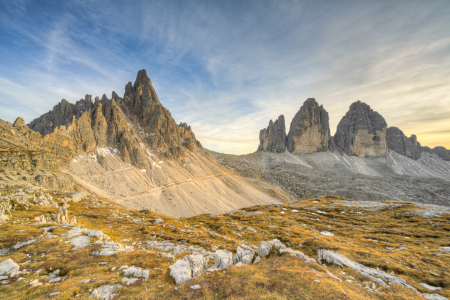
(227, 67)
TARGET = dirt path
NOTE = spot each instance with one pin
(175, 183)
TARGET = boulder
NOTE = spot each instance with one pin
(105, 292)
(245, 254)
(8, 267)
(296, 253)
(197, 263)
(273, 138)
(264, 249)
(362, 132)
(181, 271)
(223, 260)
(310, 129)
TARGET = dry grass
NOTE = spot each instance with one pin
(359, 234)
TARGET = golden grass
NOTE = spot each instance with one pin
(362, 237)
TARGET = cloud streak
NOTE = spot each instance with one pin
(227, 67)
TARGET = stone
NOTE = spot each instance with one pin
(296, 253)
(376, 275)
(245, 254)
(198, 264)
(223, 260)
(396, 140)
(159, 221)
(19, 122)
(310, 130)
(180, 271)
(273, 138)
(264, 249)
(362, 132)
(105, 292)
(8, 267)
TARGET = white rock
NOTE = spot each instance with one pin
(433, 297)
(181, 271)
(105, 292)
(223, 260)
(430, 287)
(198, 264)
(35, 283)
(129, 281)
(239, 264)
(196, 287)
(159, 221)
(264, 248)
(245, 254)
(374, 274)
(145, 274)
(8, 266)
(54, 294)
(133, 271)
(297, 253)
(257, 260)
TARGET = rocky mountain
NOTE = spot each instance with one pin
(362, 131)
(27, 159)
(273, 138)
(132, 151)
(310, 129)
(442, 152)
(397, 141)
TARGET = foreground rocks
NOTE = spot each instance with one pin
(183, 270)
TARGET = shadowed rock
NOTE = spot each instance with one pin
(273, 138)
(362, 131)
(310, 129)
(397, 141)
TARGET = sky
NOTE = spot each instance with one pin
(228, 67)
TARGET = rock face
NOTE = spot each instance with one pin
(273, 138)
(397, 141)
(122, 124)
(26, 157)
(362, 131)
(442, 152)
(310, 129)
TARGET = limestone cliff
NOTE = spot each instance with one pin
(310, 129)
(273, 138)
(362, 131)
(27, 158)
(397, 141)
(123, 124)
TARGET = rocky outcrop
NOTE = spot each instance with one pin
(27, 158)
(273, 138)
(442, 152)
(61, 115)
(396, 140)
(310, 129)
(362, 131)
(124, 124)
(187, 136)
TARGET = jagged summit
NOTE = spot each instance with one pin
(310, 129)
(273, 138)
(122, 123)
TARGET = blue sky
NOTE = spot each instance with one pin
(228, 67)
